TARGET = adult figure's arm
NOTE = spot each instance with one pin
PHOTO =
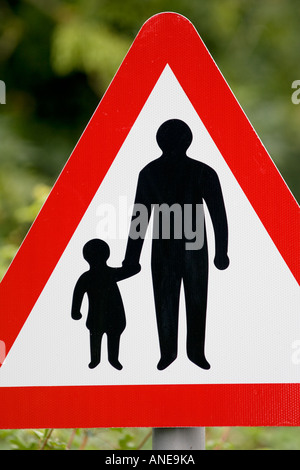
(215, 203)
(139, 223)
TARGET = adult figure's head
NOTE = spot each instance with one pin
(174, 137)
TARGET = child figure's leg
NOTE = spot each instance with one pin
(95, 348)
(113, 344)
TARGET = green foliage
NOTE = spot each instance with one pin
(90, 48)
(226, 438)
(57, 59)
(252, 438)
(76, 439)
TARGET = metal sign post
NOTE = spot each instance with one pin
(178, 439)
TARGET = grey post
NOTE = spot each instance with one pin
(178, 439)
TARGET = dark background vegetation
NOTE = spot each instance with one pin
(58, 57)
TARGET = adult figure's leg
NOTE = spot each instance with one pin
(166, 286)
(195, 282)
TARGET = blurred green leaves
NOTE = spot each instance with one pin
(90, 48)
(76, 439)
(218, 438)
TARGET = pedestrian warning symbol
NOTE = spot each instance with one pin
(163, 267)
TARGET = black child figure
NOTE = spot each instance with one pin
(106, 311)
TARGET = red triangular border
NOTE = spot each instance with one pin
(167, 38)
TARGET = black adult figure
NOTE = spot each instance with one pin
(176, 179)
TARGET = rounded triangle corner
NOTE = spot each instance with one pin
(170, 18)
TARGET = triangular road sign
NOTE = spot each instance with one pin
(253, 334)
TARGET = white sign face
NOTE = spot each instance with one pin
(252, 326)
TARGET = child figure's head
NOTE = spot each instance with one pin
(96, 252)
